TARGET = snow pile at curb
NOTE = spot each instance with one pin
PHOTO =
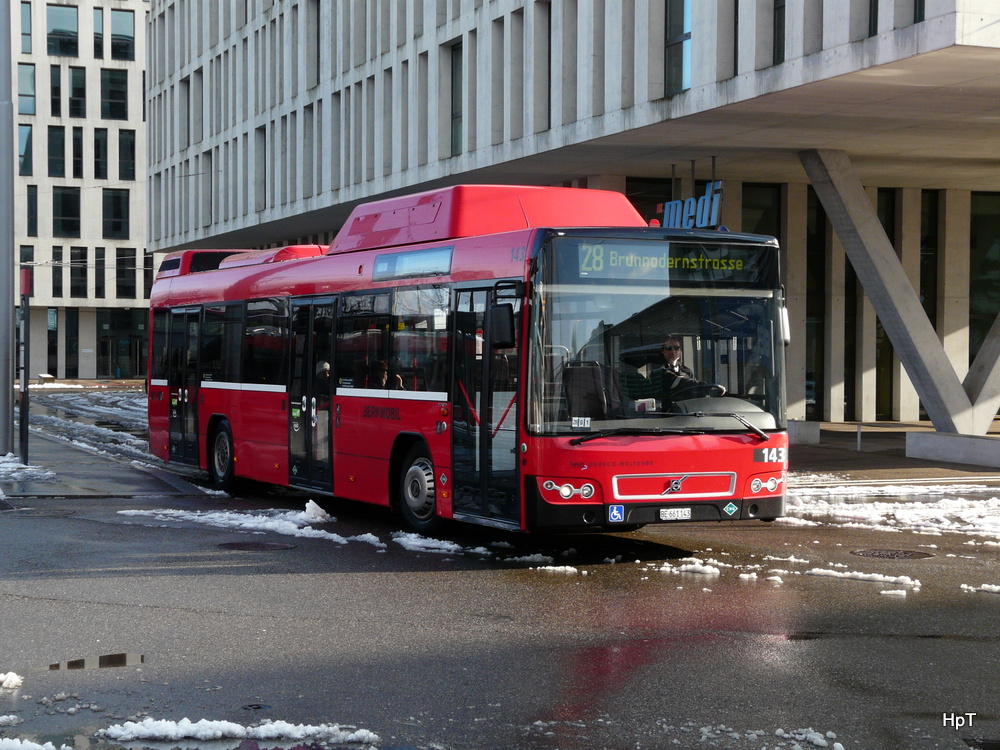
(185, 729)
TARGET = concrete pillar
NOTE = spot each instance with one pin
(88, 343)
(834, 345)
(613, 182)
(731, 213)
(866, 348)
(954, 222)
(906, 405)
(794, 215)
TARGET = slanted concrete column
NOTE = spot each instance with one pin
(954, 225)
(892, 295)
(906, 405)
(834, 344)
(794, 231)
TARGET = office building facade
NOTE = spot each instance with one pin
(270, 119)
(80, 198)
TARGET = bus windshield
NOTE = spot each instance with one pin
(648, 335)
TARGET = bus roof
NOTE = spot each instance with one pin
(472, 210)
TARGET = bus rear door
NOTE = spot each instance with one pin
(309, 394)
(485, 420)
(182, 380)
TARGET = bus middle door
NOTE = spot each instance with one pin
(310, 445)
(182, 381)
(485, 406)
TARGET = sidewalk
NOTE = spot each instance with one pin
(878, 455)
(76, 472)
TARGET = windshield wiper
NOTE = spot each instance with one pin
(739, 418)
(631, 431)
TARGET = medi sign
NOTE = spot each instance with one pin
(695, 212)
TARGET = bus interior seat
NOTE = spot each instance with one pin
(584, 386)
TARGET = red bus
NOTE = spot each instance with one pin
(492, 354)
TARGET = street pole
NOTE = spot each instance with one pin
(7, 298)
(26, 289)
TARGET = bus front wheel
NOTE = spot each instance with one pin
(221, 457)
(417, 496)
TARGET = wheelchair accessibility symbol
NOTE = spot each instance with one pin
(616, 513)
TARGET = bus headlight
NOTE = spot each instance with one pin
(568, 489)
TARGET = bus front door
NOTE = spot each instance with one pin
(183, 380)
(484, 446)
(309, 394)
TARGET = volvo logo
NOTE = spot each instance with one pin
(674, 486)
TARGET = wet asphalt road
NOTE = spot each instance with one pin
(468, 650)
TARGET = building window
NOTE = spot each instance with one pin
(99, 33)
(122, 35)
(115, 214)
(873, 17)
(25, 151)
(78, 272)
(31, 210)
(125, 273)
(918, 11)
(62, 30)
(126, 154)
(57, 151)
(55, 90)
(57, 271)
(77, 92)
(678, 56)
(26, 28)
(78, 153)
(456, 99)
(779, 32)
(25, 89)
(66, 212)
(148, 274)
(114, 94)
(101, 154)
(99, 264)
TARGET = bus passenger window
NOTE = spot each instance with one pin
(360, 344)
(420, 338)
(264, 340)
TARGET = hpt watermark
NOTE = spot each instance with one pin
(957, 721)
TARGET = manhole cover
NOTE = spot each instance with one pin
(257, 546)
(892, 554)
(41, 513)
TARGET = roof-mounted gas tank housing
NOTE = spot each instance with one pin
(474, 210)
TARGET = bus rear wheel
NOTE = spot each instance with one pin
(417, 495)
(221, 457)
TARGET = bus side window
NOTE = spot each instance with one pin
(420, 338)
(265, 334)
(361, 342)
(160, 326)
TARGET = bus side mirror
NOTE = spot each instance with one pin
(502, 334)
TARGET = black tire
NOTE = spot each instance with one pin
(417, 491)
(221, 457)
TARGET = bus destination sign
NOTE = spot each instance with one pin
(676, 263)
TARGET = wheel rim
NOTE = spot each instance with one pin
(418, 489)
(223, 454)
